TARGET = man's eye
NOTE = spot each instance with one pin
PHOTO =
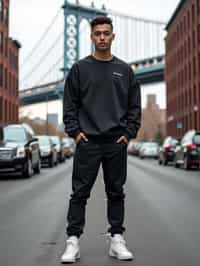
(98, 33)
(107, 33)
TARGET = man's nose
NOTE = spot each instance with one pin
(102, 36)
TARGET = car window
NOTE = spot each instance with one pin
(150, 145)
(14, 134)
(55, 140)
(174, 142)
(196, 139)
(43, 141)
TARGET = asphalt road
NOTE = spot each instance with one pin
(162, 217)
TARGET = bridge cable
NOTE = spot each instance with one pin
(49, 71)
(41, 39)
(35, 67)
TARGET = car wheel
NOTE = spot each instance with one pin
(165, 162)
(51, 162)
(186, 165)
(56, 161)
(28, 169)
(177, 165)
(37, 169)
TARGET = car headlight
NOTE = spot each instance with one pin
(21, 153)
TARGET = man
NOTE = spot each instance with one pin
(102, 111)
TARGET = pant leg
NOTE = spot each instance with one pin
(86, 164)
(114, 164)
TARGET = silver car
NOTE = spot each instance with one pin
(149, 149)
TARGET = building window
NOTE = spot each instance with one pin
(193, 13)
(5, 15)
(198, 7)
(6, 78)
(1, 109)
(6, 47)
(1, 75)
(198, 32)
(194, 66)
(1, 42)
(188, 18)
(1, 9)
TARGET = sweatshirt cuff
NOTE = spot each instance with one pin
(128, 135)
(74, 133)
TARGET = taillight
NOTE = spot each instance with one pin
(168, 148)
(192, 146)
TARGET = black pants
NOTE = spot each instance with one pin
(87, 159)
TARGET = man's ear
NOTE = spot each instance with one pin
(113, 36)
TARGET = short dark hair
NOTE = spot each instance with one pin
(101, 20)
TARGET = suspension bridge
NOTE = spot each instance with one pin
(139, 42)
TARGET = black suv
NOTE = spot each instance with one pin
(19, 149)
(188, 152)
(166, 153)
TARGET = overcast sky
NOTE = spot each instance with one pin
(30, 18)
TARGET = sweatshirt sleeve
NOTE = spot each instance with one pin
(71, 102)
(133, 115)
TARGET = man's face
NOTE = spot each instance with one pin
(102, 37)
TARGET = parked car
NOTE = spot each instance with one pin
(48, 152)
(187, 153)
(68, 146)
(166, 152)
(19, 150)
(136, 147)
(59, 148)
(149, 149)
(130, 147)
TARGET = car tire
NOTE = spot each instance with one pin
(165, 162)
(37, 169)
(51, 162)
(28, 169)
(177, 165)
(186, 165)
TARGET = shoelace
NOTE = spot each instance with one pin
(71, 242)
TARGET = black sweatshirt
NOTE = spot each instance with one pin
(101, 98)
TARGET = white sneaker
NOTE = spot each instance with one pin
(118, 248)
(72, 251)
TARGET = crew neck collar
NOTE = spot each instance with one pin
(102, 60)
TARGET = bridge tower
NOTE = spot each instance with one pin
(73, 15)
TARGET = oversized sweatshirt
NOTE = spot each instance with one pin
(101, 98)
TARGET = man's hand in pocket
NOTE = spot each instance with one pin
(122, 139)
(80, 136)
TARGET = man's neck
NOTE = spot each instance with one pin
(105, 56)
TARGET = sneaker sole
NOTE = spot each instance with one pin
(63, 261)
(115, 256)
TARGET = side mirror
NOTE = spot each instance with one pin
(31, 140)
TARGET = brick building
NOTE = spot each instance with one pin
(9, 50)
(182, 72)
(153, 120)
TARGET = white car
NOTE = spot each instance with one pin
(149, 149)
